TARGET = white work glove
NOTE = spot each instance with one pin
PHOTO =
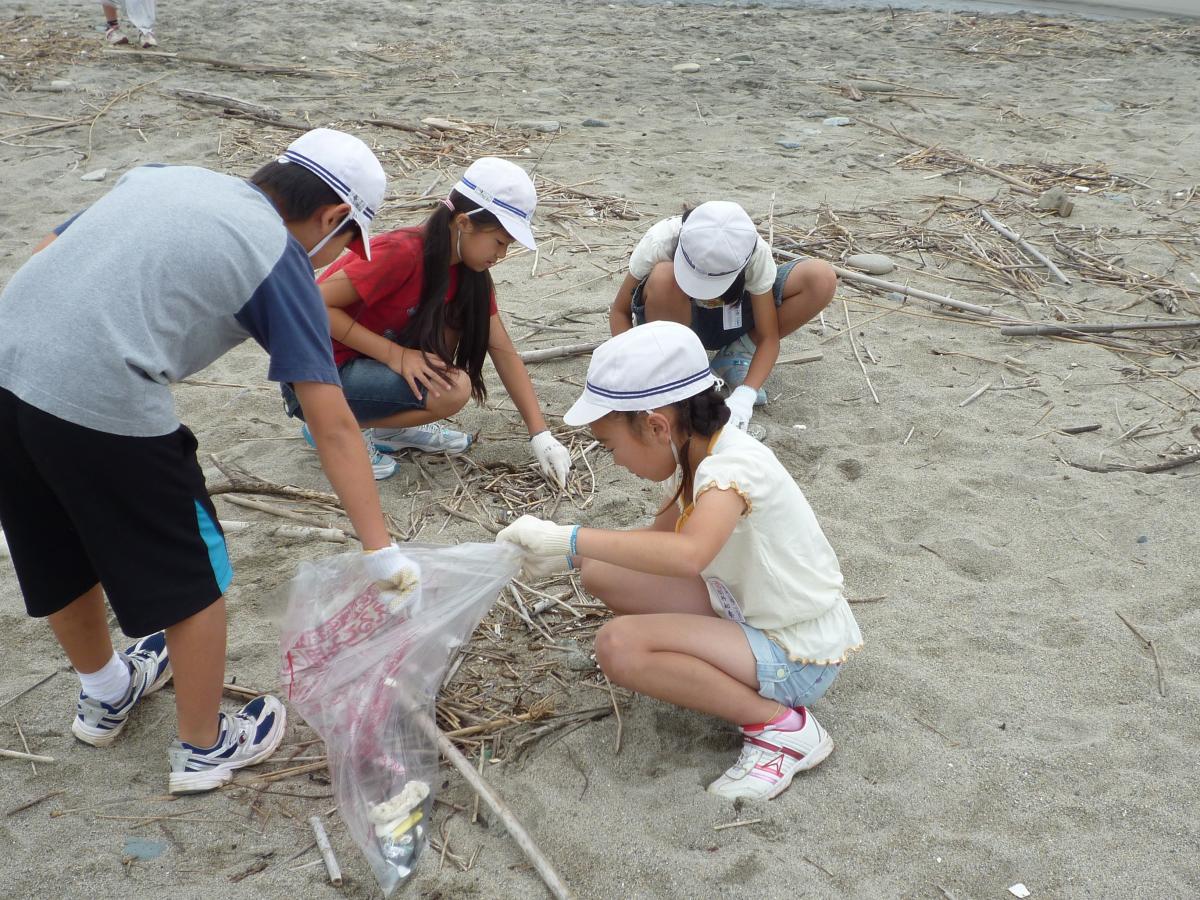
(553, 458)
(397, 577)
(535, 568)
(540, 537)
(741, 406)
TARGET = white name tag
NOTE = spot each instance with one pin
(732, 315)
(729, 608)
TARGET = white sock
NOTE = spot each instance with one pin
(110, 683)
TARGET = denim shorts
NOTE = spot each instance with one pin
(709, 324)
(373, 391)
(779, 679)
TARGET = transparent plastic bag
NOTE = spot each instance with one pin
(362, 662)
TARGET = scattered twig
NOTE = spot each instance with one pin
(331, 863)
(1027, 248)
(857, 357)
(1056, 330)
(1150, 469)
(1150, 645)
(530, 356)
(32, 803)
(739, 824)
(32, 757)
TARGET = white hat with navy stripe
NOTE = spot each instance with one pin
(715, 244)
(349, 167)
(647, 367)
(506, 191)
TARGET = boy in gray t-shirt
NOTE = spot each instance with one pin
(101, 494)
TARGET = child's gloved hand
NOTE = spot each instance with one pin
(535, 568)
(395, 575)
(539, 537)
(741, 406)
(553, 458)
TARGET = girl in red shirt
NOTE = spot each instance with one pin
(412, 325)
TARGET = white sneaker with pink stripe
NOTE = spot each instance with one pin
(770, 758)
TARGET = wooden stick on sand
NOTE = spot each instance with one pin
(555, 884)
(1026, 248)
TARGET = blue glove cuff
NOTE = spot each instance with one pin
(574, 536)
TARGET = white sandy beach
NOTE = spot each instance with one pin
(1001, 725)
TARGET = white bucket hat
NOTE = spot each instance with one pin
(715, 244)
(653, 365)
(506, 191)
(350, 169)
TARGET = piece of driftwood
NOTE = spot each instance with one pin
(916, 293)
(331, 863)
(238, 108)
(518, 833)
(1084, 328)
(558, 352)
(255, 68)
(32, 757)
(1027, 248)
(1150, 469)
(796, 359)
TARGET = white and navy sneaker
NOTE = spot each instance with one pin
(98, 723)
(770, 758)
(243, 739)
(430, 438)
(382, 466)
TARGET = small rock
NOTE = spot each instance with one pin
(1143, 539)
(547, 126)
(686, 68)
(896, 297)
(1019, 890)
(1057, 200)
(740, 58)
(789, 145)
(578, 661)
(61, 85)
(95, 175)
(594, 123)
(838, 121)
(1104, 106)
(816, 113)
(871, 263)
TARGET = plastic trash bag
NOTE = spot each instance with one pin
(362, 662)
(141, 13)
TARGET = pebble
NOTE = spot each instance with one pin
(740, 58)
(1104, 106)
(837, 121)
(594, 123)
(790, 145)
(1143, 539)
(871, 263)
(95, 175)
(548, 126)
(145, 850)
(578, 661)
(686, 68)
(816, 113)
(61, 85)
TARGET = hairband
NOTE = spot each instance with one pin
(449, 204)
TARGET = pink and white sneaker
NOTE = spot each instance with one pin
(771, 757)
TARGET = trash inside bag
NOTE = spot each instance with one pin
(362, 663)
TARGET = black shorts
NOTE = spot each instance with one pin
(80, 506)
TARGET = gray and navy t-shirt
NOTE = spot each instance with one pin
(172, 268)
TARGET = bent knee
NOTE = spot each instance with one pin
(663, 296)
(617, 649)
(819, 280)
(452, 401)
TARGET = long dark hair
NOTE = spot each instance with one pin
(733, 293)
(700, 416)
(469, 310)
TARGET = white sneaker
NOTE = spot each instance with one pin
(382, 466)
(430, 438)
(243, 739)
(770, 758)
(148, 39)
(115, 36)
(98, 723)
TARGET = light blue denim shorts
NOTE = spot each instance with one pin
(779, 679)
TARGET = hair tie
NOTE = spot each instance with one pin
(448, 203)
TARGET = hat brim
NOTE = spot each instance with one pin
(518, 229)
(696, 286)
(585, 412)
